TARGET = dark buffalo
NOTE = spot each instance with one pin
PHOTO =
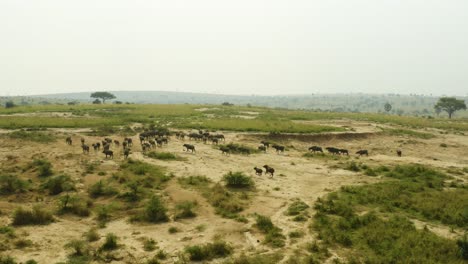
(258, 171)
(189, 147)
(362, 152)
(269, 170)
(109, 153)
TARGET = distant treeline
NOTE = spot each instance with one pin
(409, 105)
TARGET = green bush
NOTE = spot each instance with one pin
(7, 260)
(173, 230)
(273, 235)
(110, 243)
(217, 249)
(44, 167)
(32, 136)
(226, 203)
(36, 216)
(296, 208)
(149, 244)
(79, 247)
(58, 184)
(238, 180)
(161, 155)
(74, 204)
(155, 211)
(11, 184)
(195, 181)
(238, 149)
(101, 189)
(92, 235)
(185, 209)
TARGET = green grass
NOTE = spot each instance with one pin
(35, 216)
(273, 234)
(10, 184)
(384, 234)
(256, 125)
(161, 155)
(407, 132)
(140, 178)
(209, 251)
(155, 211)
(34, 136)
(185, 116)
(238, 180)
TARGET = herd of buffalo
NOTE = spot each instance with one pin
(153, 138)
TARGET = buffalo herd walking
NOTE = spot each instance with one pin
(154, 138)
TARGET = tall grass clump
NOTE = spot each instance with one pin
(273, 234)
(209, 251)
(34, 216)
(413, 191)
(185, 209)
(155, 211)
(10, 184)
(238, 180)
(32, 136)
(161, 155)
(58, 184)
(235, 148)
(43, 167)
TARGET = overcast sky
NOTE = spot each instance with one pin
(234, 47)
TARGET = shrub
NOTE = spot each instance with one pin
(217, 249)
(92, 235)
(22, 243)
(173, 230)
(227, 204)
(161, 155)
(196, 181)
(103, 214)
(161, 254)
(296, 208)
(7, 260)
(273, 235)
(296, 234)
(110, 243)
(149, 244)
(44, 167)
(11, 184)
(80, 247)
(463, 246)
(36, 216)
(156, 210)
(32, 136)
(185, 209)
(101, 189)
(238, 149)
(74, 205)
(238, 180)
(58, 184)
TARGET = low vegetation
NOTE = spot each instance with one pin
(217, 249)
(162, 155)
(34, 136)
(273, 234)
(409, 191)
(238, 180)
(34, 216)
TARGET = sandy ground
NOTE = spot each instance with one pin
(296, 177)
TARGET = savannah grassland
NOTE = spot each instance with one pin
(58, 205)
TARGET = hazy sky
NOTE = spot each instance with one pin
(234, 47)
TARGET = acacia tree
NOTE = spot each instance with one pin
(388, 107)
(450, 105)
(103, 95)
